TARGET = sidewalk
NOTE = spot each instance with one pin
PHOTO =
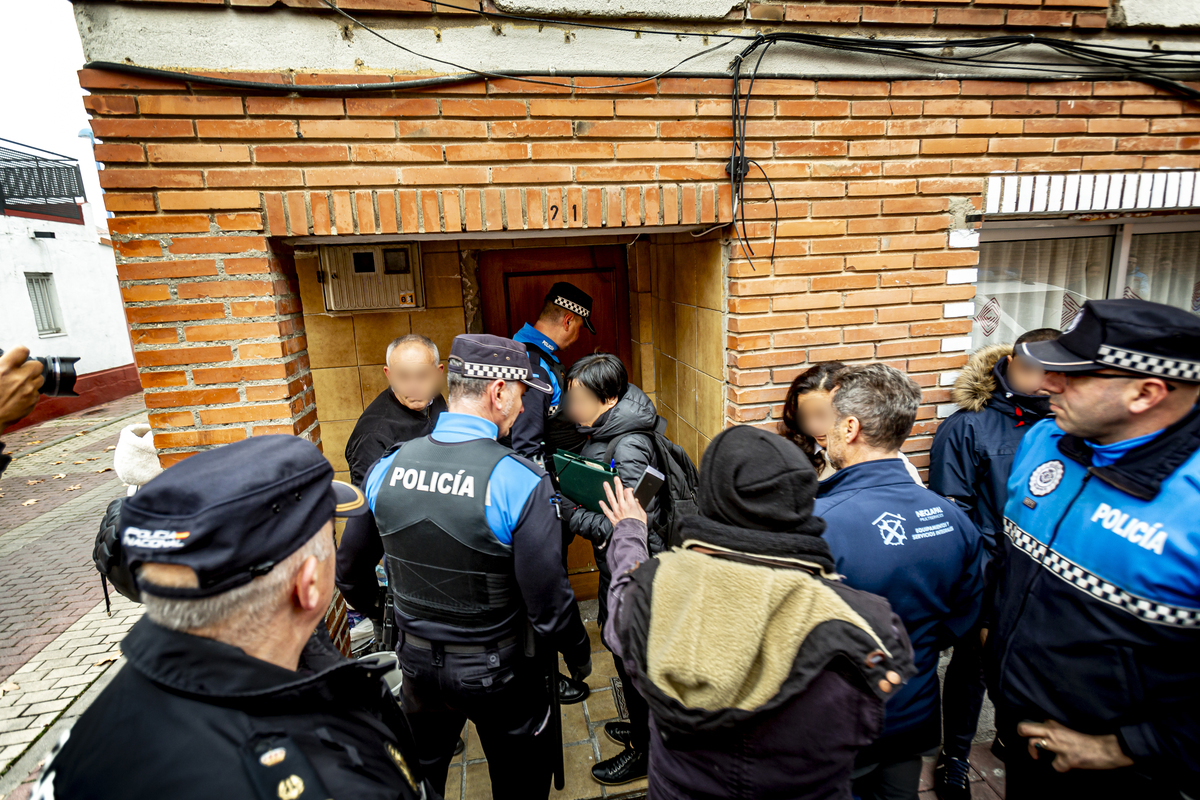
(55, 639)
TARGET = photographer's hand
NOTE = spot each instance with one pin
(20, 380)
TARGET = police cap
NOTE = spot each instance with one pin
(1127, 334)
(234, 512)
(490, 358)
(573, 299)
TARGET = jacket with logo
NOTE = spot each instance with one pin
(193, 718)
(1097, 610)
(903, 542)
(520, 517)
(974, 448)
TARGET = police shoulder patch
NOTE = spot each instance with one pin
(1045, 478)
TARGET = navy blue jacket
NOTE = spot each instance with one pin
(974, 448)
(1097, 611)
(896, 539)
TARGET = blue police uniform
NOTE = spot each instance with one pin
(901, 541)
(543, 426)
(473, 549)
(1097, 609)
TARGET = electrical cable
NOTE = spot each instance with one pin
(486, 74)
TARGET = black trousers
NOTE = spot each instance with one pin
(962, 696)
(1027, 779)
(890, 780)
(503, 693)
(639, 710)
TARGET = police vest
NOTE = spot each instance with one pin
(444, 564)
(559, 432)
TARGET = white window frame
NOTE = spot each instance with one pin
(1121, 229)
(49, 301)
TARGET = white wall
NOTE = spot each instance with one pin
(219, 37)
(85, 278)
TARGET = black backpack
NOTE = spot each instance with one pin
(107, 556)
(677, 497)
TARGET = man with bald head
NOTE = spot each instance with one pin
(405, 410)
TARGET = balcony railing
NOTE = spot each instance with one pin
(39, 182)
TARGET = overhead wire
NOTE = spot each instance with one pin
(496, 75)
(1093, 61)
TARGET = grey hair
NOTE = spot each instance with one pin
(245, 606)
(412, 338)
(883, 399)
(466, 388)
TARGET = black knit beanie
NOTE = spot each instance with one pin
(758, 488)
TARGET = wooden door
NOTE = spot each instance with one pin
(514, 284)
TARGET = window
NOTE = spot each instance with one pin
(1165, 268)
(364, 262)
(1039, 275)
(45, 302)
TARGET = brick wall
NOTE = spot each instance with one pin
(870, 176)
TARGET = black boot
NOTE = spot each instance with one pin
(627, 765)
(571, 691)
(620, 732)
(952, 778)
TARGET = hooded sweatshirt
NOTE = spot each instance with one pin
(974, 448)
(764, 674)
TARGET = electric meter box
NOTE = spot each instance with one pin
(371, 277)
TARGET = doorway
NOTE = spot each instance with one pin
(514, 284)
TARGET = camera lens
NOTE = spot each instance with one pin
(58, 375)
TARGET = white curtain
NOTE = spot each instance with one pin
(1038, 283)
(1165, 268)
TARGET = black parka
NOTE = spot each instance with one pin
(632, 421)
(189, 717)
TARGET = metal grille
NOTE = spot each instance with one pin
(31, 178)
(45, 304)
(371, 277)
(1098, 191)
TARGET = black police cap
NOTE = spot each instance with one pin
(573, 299)
(234, 512)
(490, 358)
(1127, 334)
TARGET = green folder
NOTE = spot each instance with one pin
(582, 479)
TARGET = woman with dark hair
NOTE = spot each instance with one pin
(605, 407)
(808, 416)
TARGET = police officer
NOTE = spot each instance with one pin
(227, 690)
(473, 548)
(544, 426)
(1092, 652)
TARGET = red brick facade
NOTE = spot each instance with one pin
(870, 176)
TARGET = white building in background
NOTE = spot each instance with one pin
(58, 285)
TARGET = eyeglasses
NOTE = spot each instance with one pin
(1110, 376)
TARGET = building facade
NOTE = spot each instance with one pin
(58, 277)
(286, 210)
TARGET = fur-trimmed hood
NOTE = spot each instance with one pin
(976, 383)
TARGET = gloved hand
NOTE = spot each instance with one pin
(581, 672)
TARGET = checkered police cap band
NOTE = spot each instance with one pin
(574, 308)
(1147, 363)
(490, 372)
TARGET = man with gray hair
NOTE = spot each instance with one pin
(227, 691)
(406, 409)
(474, 554)
(894, 538)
